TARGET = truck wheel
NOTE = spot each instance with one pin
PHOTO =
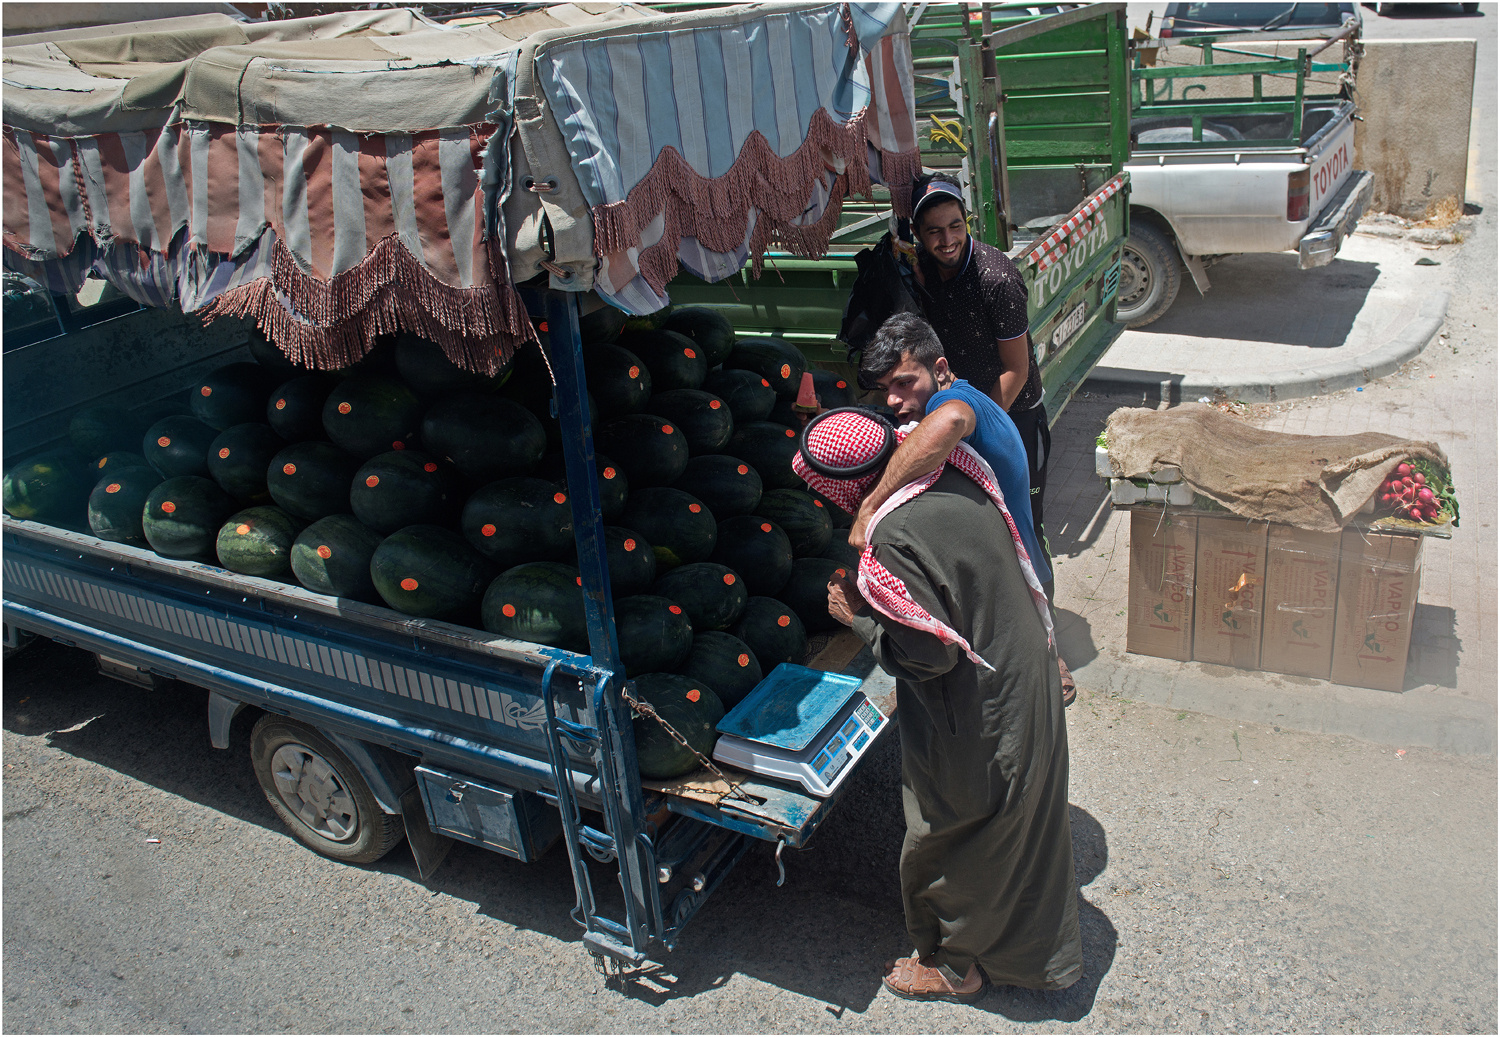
(1150, 274)
(318, 794)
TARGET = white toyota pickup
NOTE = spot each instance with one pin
(1213, 175)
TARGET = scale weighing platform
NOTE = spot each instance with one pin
(800, 725)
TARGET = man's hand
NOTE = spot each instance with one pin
(844, 600)
(861, 523)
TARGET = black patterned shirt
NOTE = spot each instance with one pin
(976, 309)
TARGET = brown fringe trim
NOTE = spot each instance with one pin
(716, 211)
(478, 328)
(849, 34)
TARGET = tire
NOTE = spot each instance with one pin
(1150, 275)
(338, 817)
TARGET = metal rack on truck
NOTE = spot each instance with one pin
(338, 178)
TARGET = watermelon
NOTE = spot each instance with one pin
(675, 361)
(98, 430)
(806, 592)
(689, 708)
(785, 412)
(258, 542)
(601, 324)
(178, 445)
(270, 356)
(332, 556)
(703, 418)
(613, 486)
(709, 329)
(632, 562)
(295, 408)
(833, 390)
(370, 414)
(234, 394)
(486, 437)
(117, 460)
(618, 380)
(712, 595)
(404, 488)
(647, 321)
(841, 518)
(311, 480)
(541, 602)
(749, 396)
(774, 359)
(182, 517)
(802, 518)
(428, 372)
(723, 662)
(773, 632)
(726, 485)
(769, 448)
(431, 572)
(48, 488)
(542, 407)
(839, 550)
(117, 502)
(654, 633)
(650, 448)
(757, 549)
(679, 527)
(511, 521)
(238, 458)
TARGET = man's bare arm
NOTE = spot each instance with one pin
(1015, 358)
(928, 446)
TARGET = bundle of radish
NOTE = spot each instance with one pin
(1419, 491)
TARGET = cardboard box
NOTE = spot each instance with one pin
(1228, 590)
(1302, 575)
(1379, 575)
(1162, 557)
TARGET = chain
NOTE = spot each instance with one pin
(644, 708)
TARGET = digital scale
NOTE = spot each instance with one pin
(800, 725)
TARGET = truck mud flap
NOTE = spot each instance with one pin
(428, 848)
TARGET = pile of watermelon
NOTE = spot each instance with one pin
(408, 482)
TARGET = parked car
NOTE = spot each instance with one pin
(1219, 19)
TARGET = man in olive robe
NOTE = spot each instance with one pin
(953, 610)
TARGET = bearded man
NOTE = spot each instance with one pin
(949, 601)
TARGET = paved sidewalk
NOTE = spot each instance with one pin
(1268, 331)
(1447, 393)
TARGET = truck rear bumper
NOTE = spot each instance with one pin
(1320, 244)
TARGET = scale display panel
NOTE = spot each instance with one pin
(800, 725)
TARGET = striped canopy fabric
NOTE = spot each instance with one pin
(710, 141)
(351, 177)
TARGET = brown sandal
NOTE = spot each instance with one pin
(917, 982)
(1069, 689)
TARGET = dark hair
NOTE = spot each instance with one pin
(902, 335)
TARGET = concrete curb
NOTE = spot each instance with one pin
(1417, 717)
(1291, 384)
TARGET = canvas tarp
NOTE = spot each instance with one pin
(340, 177)
(1317, 483)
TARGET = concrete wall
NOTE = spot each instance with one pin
(1417, 97)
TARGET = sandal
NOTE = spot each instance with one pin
(914, 981)
(1069, 689)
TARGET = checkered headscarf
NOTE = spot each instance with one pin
(842, 456)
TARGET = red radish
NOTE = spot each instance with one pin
(1403, 469)
(1424, 495)
(1420, 478)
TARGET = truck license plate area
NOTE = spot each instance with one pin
(1069, 325)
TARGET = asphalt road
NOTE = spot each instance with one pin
(1234, 878)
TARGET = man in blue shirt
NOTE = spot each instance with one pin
(906, 360)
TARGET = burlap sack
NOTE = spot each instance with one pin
(1316, 483)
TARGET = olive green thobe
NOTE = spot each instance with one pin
(987, 863)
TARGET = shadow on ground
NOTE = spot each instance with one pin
(1251, 297)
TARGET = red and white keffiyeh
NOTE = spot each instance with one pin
(849, 441)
